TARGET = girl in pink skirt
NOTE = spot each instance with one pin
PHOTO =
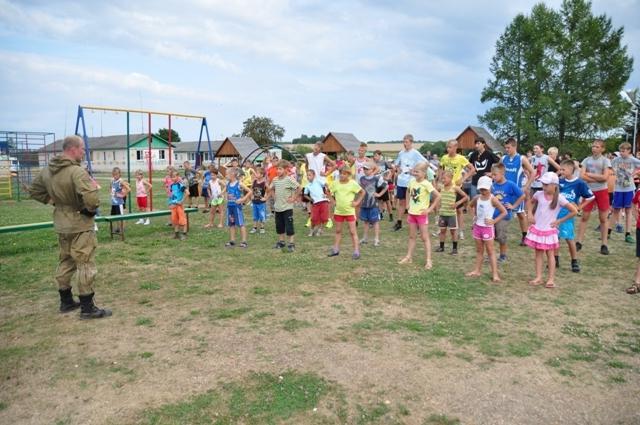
(543, 229)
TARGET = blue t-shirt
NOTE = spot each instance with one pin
(507, 193)
(207, 178)
(177, 193)
(233, 193)
(513, 170)
(315, 190)
(574, 190)
(406, 160)
(116, 189)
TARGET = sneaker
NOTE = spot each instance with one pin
(183, 236)
(244, 244)
(575, 266)
(312, 232)
(329, 224)
(141, 221)
(578, 246)
(355, 255)
(461, 236)
(604, 250)
(333, 253)
(291, 247)
(176, 235)
(502, 259)
(454, 251)
(279, 245)
(397, 226)
(376, 242)
(629, 239)
(230, 244)
(262, 231)
(253, 230)
(391, 217)
(619, 228)
(147, 222)
(363, 241)
(439, 249)
(308, 223)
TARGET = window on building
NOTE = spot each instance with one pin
(139, 155)
(104, 156)
(114, 155)
(175, 156)
(192, 156)
(161, 154)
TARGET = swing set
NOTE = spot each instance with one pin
(80, 121)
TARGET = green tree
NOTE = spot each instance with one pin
(263, 130)
(557, 75)
(163, 133)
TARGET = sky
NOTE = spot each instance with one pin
(377, 69)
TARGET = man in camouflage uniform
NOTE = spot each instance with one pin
(74, 195)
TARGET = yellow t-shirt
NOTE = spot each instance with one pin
(247, 180)
(345, 193)
(455, 165)
(419, 196)
(302, 171)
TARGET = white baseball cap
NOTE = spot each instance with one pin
(549, 178)
(485, 182)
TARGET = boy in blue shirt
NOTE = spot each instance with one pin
(511, 196)
(573, 188)
(176, 205)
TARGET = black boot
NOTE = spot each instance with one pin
(89, 309)
(67, 303)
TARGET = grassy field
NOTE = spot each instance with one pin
(202, 334)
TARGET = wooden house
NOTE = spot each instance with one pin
(467, 139)
(335, 143)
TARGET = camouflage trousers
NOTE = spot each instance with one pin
(77, 254)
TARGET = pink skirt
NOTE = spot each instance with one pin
(542, 239)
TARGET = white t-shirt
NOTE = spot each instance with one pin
(316, 163)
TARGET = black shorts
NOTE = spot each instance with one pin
(193, 191)
(117, 209)
(401, 192)
(384, 197)
(284, 222)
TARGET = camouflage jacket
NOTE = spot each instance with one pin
(66, 185)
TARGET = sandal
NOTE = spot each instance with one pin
(405, 260)
(633, 289)
(428, 265)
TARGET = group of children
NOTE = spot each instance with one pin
(353, 195)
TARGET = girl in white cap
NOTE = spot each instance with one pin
(483, 207)
(543, 230)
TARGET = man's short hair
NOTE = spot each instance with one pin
(511, 141)
(71, 142)
(363, 145)
(408, 137)
(283, 163)
(377, 152)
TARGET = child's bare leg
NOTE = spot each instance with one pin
(454, 235)
(627, 220)
(552, 269)
(539, 259)
(424, 235)
(338, 237)
(376, 230)
(243, 233)
(232, 233)
(365, 230)
(221, 217)
(354, 235)
(412, 243)
(615, 218)
(492, 260)
(443, 234)
(573, 252)
(479, 259)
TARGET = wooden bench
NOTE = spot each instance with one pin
(118, 219)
